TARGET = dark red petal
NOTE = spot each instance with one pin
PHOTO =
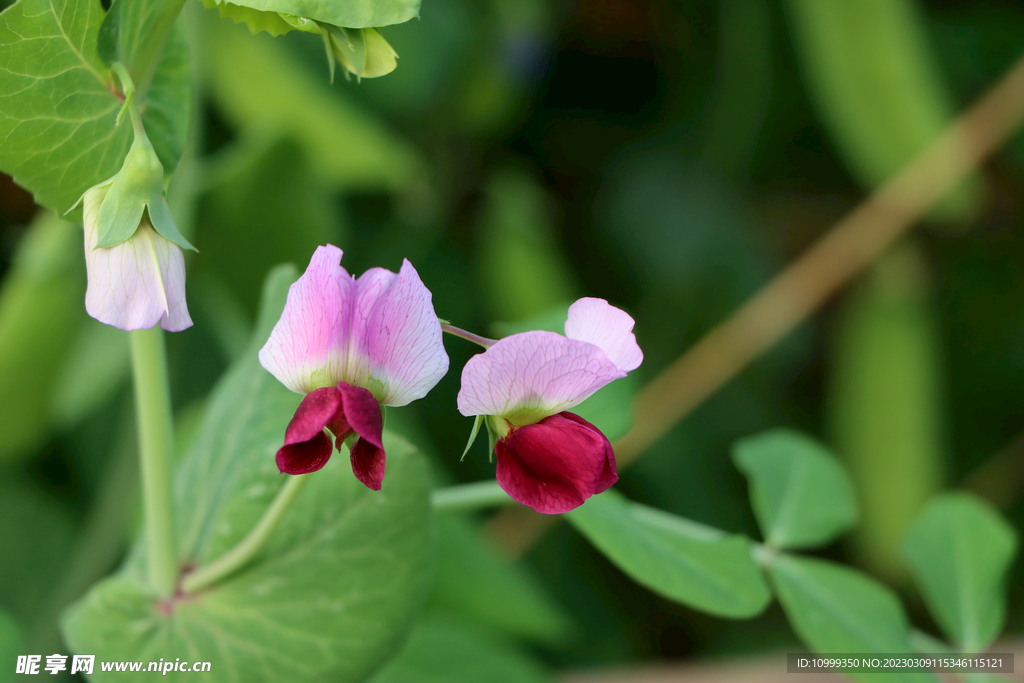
(555, 465)
(362, 412)
(306, 456)
(610, 475)
(318, 407)
(368, 463)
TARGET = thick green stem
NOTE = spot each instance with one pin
(251, 545)
(152, 45)
(465, 497)
(156, 443)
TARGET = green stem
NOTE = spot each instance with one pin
(152, 45)
(465, 497)
(156, 442)
(251, 545)
(468, 336)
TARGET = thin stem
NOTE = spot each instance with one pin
(468, 336)
(156, 442)
(481, 494)
(252, 544)
(152, 45)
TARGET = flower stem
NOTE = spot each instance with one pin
(468, 336)
(465, 497)
(156, 441)
(251, 545)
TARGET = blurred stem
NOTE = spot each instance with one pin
(152, 45)
(251, 545)
(468, 336)
(156, 443)
(464, 497)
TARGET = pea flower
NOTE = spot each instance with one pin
(137, 283)
(548, 458)
(351, 346)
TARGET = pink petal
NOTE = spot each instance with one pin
(136, 284)
(398, 336)
(306, 456)
(528, 376)
(308, 346)
(368, 463)
(317, 409)
(554, 465)
(598, 322)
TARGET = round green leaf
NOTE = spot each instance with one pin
(834, 609)
(684, 561)
(800, 494)
(960, 550)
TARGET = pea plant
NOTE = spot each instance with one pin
(296, 538)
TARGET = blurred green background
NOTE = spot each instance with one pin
(667, 156)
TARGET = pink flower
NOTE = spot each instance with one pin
(137, 283)
(351, 345)
(550, 459)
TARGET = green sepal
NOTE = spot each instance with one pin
(362, 51)
(138, 186)
(472, 435)
(493, 435)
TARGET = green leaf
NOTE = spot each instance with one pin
(521, 269)
(243, 197)
(449, 651)
(960, 550)
(834, 609)
(40, 308)
(331, 595)
(877, 85)
(347, 13)
(256, 84)
(684, 561)
(271, 22)
(475, 580)
(34, 540)
(95, 367)
(58, 103)
(800, 494)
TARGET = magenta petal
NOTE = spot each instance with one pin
(362, 412)
(368, 463)
(318, 407)
(306, 456)
(553, 466)
(610, 474)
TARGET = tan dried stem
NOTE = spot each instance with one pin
(847, 248)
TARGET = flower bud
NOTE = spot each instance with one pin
(138, 282)
(135, 190)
